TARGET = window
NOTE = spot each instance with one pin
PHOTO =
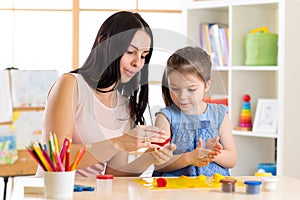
(40, 34)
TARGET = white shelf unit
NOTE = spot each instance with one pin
(257, 81)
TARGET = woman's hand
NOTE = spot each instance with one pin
(201, 157)
(141, 137)
(162, 154)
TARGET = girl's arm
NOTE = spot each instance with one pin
(228, 156)
(198, 157)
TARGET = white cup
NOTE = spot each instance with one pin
(59, 185)
(269, 183)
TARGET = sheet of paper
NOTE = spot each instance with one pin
(30, 87)
(6, 109)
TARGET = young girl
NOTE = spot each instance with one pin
(195, 126)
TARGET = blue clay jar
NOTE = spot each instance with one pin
(252, 187)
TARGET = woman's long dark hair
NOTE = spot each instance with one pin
(102, 67)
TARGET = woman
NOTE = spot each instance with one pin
(101, 104)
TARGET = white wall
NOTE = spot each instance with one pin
(291, 140)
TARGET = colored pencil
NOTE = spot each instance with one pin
(48, 160)
(59, 165)
(73, 164)
(67, 163)
(79, 155)
(69, 144)
(40, 145)
(52, 160)
(35, 157)
(51, 147)
(41, 157)
(64, 149)
(55, 143)
(45, 147)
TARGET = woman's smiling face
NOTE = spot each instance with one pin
(134, 58)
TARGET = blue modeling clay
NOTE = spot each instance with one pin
(80, 188)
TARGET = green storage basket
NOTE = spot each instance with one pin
(261, 49)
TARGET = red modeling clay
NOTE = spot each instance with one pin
(164, 143)
(161, 182)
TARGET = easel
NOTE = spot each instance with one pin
(24, 166)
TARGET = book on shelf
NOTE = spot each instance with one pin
(224, 44)
(214, 39)
(206, 41)
(217, 99)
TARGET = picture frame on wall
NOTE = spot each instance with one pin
(266, 116)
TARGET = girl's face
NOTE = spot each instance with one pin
(187, 92)
(134, 59)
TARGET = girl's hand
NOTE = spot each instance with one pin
(214, 145)
(201, 157)
(141, 137)
(162, 154)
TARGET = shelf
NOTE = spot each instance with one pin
(219, 4)
(220, 68)
(237, 79)
(254, 134)
(254, 68)
(245, 68)
(208, 4)
(256, 3)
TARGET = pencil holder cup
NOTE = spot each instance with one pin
(59, 185)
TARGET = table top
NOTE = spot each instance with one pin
(127, 188)
(24, 165)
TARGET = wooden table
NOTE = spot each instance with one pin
(127, 189)
(23, 166)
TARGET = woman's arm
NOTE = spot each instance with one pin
(119, 165)
(59, 110)
(59, 117)
(228, 156)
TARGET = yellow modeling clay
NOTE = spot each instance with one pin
(183, 182)
(262, 29)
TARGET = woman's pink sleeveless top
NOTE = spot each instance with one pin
(95, 122)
